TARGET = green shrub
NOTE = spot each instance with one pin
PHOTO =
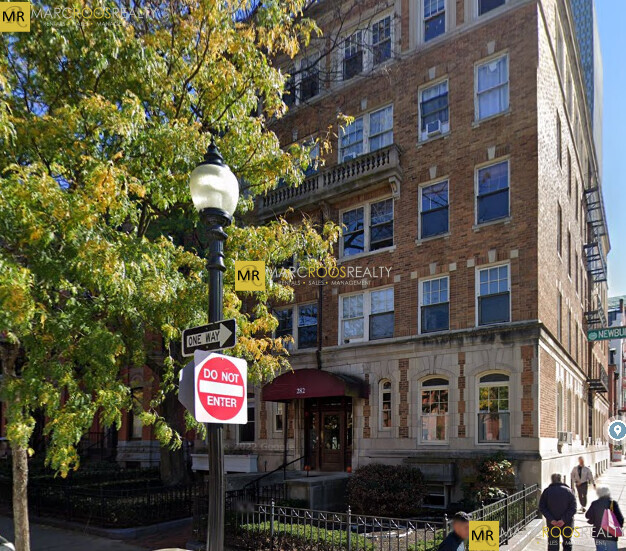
(386, 490)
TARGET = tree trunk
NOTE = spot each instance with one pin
(174, 469)
(19, 452)
(20, 499)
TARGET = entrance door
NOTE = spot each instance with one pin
(328, 433)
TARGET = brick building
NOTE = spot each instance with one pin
(468, 187)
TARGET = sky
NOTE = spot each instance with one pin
(611, 17)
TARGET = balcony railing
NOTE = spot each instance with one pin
(370, 168)
(601, 384)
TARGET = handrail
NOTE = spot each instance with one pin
(282, 467)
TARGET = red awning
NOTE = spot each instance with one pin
(313, 383)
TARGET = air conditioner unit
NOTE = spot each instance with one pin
(433, 128)
(349, 157)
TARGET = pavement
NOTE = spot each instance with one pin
(615, 478)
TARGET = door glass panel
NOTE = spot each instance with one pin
(332, 432)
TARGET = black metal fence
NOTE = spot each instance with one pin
(513, 512)
(119, 507)
(272, 527)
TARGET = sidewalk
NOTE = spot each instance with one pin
(614, 478)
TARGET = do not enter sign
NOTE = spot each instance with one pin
(221, 390)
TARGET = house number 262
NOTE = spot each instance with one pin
(301, 390)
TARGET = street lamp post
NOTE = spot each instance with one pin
(215, 191)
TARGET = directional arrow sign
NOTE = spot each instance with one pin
(214, 336)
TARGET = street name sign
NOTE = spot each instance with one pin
(221, 390)
(606, 333)
(214, 336)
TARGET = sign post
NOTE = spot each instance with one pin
(606, 333)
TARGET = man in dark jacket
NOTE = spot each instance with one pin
(604, 540)
(558, 505)
(455, 540)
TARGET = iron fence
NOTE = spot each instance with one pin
(272, 527)
(513, 512)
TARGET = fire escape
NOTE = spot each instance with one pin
(595, 257)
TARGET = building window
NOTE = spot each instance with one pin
(136, 426)
(559, 229)
(559, 143)
(492, 201)
(307, 326)
(485, 6)
(289, 94)
(365, 134)
(435, 496)
(559, 407)
(309, 79)
(494, 295)
(434, 18)
(381, 314)
(368, 228)
(493, 409)
(434, 415)
(492, 87)
(246, 432)
(569, 330)
(569, 173)
(385, 405)
(434, 204)
(351, 140)
(285, 322)
(381, 128)
(352, 319)
(560, 49)
(569, 253)
(376, 308)
(381, 40)
(559, 316)
(279, 416)
(434, 110)
(353, 55)
(435, 305)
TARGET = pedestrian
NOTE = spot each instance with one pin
(558, 505)
(581, 478)
(455, 540)
(604, 530)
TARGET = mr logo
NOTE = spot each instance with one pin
(15, 17)
(249, 275)
(484, 535)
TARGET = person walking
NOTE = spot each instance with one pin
(581, 478)
(455, 540)
(558, 505)
(603, 530)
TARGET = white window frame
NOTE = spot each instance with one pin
(420, 293)
(477, 66)
(477, 170)
(370, 39)
(419, 208)
(381, 401)
(422, 20)
(422, 136)
(421, 388)
(295, 311)
(278, 411)
(366, 133)
(480, 385)
(477, 271)
(363, 43)
(367, 217)
(296, 67)
(367, 310)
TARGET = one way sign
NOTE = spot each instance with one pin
(214, 336)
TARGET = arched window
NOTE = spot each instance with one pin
(384, 405)
(434, 410)
(493, 408)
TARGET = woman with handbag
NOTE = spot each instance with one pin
(607, 520)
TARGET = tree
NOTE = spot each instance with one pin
(101, 121)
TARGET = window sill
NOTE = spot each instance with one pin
(436, 444)
(506, 220)
(365, 254)
(495, 324)
(438, 332)
(496, 444)
(443, 135)
(478, 122)
(422, 240)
